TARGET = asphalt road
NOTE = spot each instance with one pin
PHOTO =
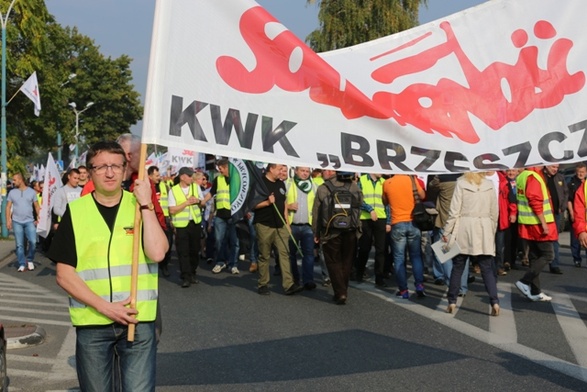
(220, 335)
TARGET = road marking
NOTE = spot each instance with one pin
(488, 337)
(503, 328)
(63, 304)
(64, 363)
(573, 327)
(36, 321)
(35, 311)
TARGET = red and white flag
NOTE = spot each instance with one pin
(52, 182)
(30, 88)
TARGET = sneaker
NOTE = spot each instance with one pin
(524, 288)
(253, 267)
(21, 268)
(420, 290)
(209, 260)
(186, 283)
(540, 297)
(31, 266)
(326, 282)
(309, 286)
(263, 290)
(234, 271)
(578, 264)
(501, 272)
(241, 257)
(405, 294)
(218, 268)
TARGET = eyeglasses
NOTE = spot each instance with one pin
(116, 169)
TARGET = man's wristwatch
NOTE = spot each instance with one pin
(149, 207)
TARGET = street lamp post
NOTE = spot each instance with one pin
(77, 113)
(69, 78)
(4, 156)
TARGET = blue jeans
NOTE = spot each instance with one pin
(575, 247)
(304, 236)
(555, 244)
(95, 357)
(402, 233)
(225, 228)
(20, 231)
(444, 270)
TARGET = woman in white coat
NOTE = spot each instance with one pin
(472, 223)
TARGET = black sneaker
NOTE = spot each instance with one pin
(420, 291)
(578, 264)
(310, 286)
(263, 290)
(293, 289)
(186, 283)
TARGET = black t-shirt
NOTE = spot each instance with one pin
(223, 213)
(62, 248)
(268, 216)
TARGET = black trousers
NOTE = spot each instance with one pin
(187, 244)
(540, 254)
(373, 232)
(339, 253)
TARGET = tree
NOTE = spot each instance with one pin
(350, 22)
(35, 42)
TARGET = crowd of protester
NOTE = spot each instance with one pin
(289, 225)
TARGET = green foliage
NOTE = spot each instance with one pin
(350, 22)
(35, 42)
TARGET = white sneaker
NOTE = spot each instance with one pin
(524, 288)
(31, 266)
(241, 257)
(21, 268)
(540, 298)
(218, 268)
(234, 271)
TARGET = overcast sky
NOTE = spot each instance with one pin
(124, 26)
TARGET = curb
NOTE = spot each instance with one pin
(28, 340)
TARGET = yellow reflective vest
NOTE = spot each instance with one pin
(292, 197)
(182, 218)
(164, 198)
(372, 195)
(222, 193)
(104, 261)
(525, 214)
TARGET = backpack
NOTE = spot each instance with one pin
(341, 209)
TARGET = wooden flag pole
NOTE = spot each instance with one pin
(134, 275)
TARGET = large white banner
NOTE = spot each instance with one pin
(496, 86)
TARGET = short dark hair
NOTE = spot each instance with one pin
(82, 167)
(111, 147)
(222, 162)
(73, 170)
(580, 165)
(152, 169)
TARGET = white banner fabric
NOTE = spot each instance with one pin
(497, 86)
(51, 183)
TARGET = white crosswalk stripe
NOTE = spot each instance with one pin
(502, 331)
(22, 302)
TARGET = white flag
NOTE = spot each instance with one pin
(30, 88)
(52, 182)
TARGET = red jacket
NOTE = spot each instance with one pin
(579, 209)
(535, 200)
(507, 208)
